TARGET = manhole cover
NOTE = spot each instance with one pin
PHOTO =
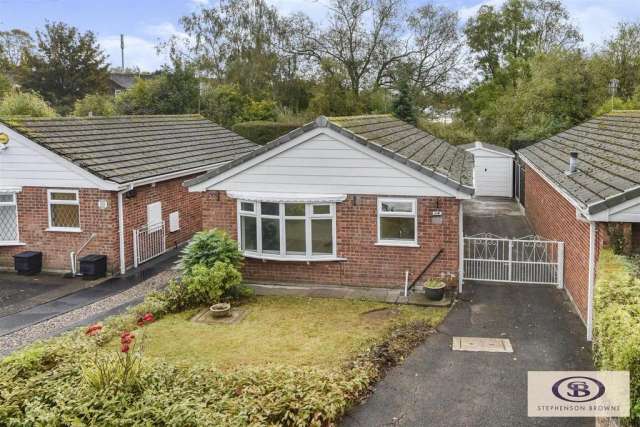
(495, 345)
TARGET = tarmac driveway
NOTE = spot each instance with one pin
(437, 387)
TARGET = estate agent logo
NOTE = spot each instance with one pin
(578, 394)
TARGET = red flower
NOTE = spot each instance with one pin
(93, 329)
(124, 348)
(126, 338)
(147, 318)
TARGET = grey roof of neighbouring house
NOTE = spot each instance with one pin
(479, 144)
(392, 137)
(608, 150)
(124, 149)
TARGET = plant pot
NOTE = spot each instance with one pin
(222, 309)
(435, 294)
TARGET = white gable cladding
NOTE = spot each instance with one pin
(628, 211)
(324, 161)
(24, 164)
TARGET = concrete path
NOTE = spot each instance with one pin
(439, 387)
(67, 302)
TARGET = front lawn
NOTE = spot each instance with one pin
(285, 330)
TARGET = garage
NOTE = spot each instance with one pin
(493, 170)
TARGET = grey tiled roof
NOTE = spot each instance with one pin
(608, 150)
(124, 149)
(479, 144)
(392, 137)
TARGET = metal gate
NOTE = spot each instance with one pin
(526, 260)
(148, 242)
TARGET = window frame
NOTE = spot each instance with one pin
(14, 203)
(413, 214)
(75, 202)
(308, 217)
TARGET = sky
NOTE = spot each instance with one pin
(146, 22)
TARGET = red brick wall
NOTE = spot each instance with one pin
(553, 217)
(55, 245)
(366, 264)
(174, 197)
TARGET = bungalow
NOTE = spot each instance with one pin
(583, 188)
(104, 185)
(360, 201)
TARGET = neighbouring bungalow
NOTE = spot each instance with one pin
(104, 185)
(583, 188)
(359, 201)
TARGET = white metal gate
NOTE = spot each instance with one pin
(526, 260)
(148, 242)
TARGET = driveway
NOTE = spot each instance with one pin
(439, 387)
(436, 386)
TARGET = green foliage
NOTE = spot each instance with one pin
(114, 372)
(210, 285)
(5, 85)
(67, 66)
(209, 246)
(332, 96)
(262, 132)
(224, 104)
(403, 103)
(617, 316)
(25, 104)
(454, 133)
(96, 104)
(259, 110)
(175, 91)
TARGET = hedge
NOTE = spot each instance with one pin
(262, 132)
(616, 341)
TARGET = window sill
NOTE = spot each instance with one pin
(12, 243)
(398, 244)
(64, 230)
(292, 258)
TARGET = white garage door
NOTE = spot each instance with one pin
(493, 176)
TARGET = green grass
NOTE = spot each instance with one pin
(285, 330)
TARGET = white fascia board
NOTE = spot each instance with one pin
(204, 186)
(490, 151)
(98, 182)
(604, 216)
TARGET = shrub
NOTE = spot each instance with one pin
(262, 132)
(207, 247)
(209, 285)
(25, 104)
(617, 316)
(260, 110)
(97, 105)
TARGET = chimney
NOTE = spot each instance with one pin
(573, 162)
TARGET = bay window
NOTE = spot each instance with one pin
(8, 218)
(397, 222)
(291, 230)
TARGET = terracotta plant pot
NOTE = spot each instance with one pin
(222, 309)
(435, 293)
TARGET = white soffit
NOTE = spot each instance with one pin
(287, 197)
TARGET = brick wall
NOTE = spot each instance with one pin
(366, 264)
(55, 245)
(174, 197)
(553, 217)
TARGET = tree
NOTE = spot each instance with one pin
(13, 46)
(96, 105)
(174, 91)
(403, 104)
(620, 59)
(5, 85)
(503, 40)
(224, 104)
(25, 104)
(66, 66)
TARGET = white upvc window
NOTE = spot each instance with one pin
(64, 210)
(287, 230)
(9, 232)
(397, 222)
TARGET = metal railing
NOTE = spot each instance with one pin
(526, 260)
(148, 242)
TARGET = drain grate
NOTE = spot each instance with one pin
(493, 345)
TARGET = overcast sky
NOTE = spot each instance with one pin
(145, 22)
